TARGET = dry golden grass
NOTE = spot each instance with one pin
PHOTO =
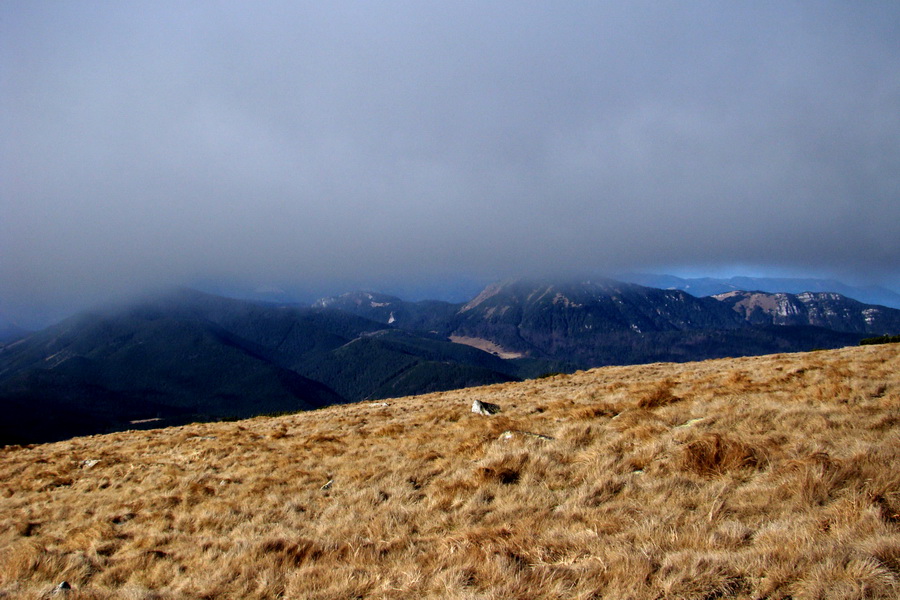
(768, 477)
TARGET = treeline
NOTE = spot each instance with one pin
(882, 339)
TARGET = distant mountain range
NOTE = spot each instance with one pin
(710, 286)
(610, 322)
(188, 356)
(822, 309)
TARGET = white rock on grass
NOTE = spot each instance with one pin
(484, 408)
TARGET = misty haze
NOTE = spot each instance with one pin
(428, 150)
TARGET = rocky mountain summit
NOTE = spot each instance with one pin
(819, 309)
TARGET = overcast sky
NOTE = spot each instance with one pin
(324, 146)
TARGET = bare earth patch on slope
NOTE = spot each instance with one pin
(486, 345)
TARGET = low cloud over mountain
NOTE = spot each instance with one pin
(319, 147)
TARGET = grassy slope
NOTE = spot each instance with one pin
(765, 477)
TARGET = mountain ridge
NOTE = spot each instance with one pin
(711, 286)
(187, 355)
(822, 309)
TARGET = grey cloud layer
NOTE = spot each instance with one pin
(149, 143)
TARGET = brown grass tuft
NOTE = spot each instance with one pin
(716, 454)
(506, 470)
(658, 395)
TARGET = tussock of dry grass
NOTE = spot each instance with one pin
(768, 477)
